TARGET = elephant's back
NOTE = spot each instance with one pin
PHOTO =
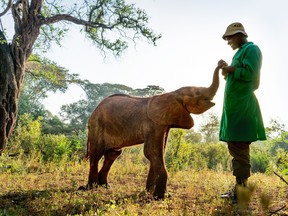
(119, 111)
(121, 104)
(118, 120)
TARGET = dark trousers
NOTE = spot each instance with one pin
(240, 152)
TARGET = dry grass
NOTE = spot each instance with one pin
(53, 190)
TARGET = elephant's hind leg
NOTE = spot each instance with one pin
(110, 157)
(93, 172)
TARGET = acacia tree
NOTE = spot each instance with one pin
(110, 24)
(77, 113)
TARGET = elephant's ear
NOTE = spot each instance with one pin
(165, 109)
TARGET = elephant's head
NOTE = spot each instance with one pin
(174, 108)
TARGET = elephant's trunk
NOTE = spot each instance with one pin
(215, 84)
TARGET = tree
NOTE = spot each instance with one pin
(41, 77)
(275, 129)
(77, 113)
(210, 127)
(193, 136)
(109, 24)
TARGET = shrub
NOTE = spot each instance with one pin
(26, 136)
(184, 155)
(55, 147)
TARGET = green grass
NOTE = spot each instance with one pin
(29, 187)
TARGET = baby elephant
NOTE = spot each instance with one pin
(122, 121)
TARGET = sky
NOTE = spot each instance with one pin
(188, 51)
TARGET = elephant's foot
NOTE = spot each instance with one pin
(88, 186)
(158, 197)
(102, 181)
(150, 188)
(93, 186)
(105, 185)
(82, 188)
(161, 196)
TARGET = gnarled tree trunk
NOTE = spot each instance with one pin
(10, 80)
(12, 66)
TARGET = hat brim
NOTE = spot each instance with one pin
(227, 34)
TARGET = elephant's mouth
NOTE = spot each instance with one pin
(209, 100)
(202, 106)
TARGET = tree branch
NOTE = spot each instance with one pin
(67, 17)
(9, 5)
(281, 177)
(274, 212)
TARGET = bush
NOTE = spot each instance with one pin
(26, 135)
(55, 147)
(259, 163)
(184, 155)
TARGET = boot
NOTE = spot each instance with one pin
(232, 193)
(241, 182)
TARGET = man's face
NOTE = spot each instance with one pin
(234, 41)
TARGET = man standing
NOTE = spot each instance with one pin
(241, 122)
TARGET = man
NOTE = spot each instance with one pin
(241, 121)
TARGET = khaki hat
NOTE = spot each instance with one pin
(233, 29)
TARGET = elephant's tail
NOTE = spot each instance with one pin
(88, 149)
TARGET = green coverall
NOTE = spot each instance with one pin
(241, 120)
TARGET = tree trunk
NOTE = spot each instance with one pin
(9, 91)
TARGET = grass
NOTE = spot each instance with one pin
(29, 187)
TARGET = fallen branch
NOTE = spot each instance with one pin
(281, 177)
(283, 207)
(274, 212)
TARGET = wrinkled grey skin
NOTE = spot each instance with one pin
(122, 121)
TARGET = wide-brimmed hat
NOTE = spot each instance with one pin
(233, 29)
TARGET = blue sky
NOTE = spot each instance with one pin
(188, 52)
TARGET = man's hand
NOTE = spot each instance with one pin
(222, 63)
(225, 68)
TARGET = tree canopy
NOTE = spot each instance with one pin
(110, 24)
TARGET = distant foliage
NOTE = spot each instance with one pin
(275, 129)
(279, 151)
(77, 113)
(183, 152)
(210, 127)
(27, 138)
(183, 155)
(271, 155)
(259, 158)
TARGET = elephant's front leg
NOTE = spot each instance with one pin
(154, 151)
(160, 179)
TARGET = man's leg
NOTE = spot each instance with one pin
(240, 151)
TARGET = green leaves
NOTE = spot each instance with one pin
(110, 24)
(113, 24)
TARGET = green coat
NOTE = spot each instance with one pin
(241, 118)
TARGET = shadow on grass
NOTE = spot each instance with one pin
(31, 202)
(64, 202)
